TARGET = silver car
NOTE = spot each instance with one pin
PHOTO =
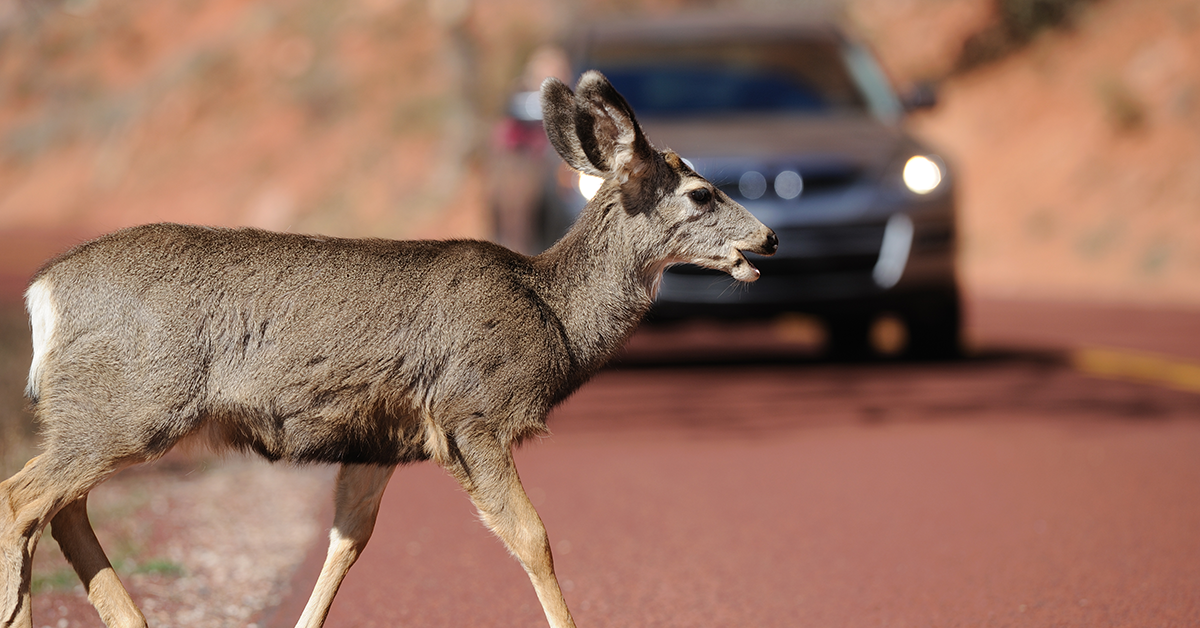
(799, 124)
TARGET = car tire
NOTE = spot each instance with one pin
(935, 329)
(848, 337)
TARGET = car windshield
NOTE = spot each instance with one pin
(676, 79)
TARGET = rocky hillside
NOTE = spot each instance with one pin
(1079, 152)
(334, 116)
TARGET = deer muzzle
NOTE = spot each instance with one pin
(740, 267)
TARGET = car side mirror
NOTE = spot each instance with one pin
(525, 106)
(920, 96)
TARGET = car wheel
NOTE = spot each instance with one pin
(848, 337)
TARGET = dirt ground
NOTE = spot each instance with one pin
(199, 541)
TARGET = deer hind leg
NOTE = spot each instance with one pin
(20, 527)
(28, 501)
(71, 528)
(359, 491)
(490, 477)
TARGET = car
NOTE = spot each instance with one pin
(798, 122)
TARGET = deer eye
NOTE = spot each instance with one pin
(700, 196)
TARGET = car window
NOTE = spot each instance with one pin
(683, 79)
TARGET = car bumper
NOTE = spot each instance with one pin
(825, 268)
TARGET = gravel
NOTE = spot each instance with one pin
(199, 541)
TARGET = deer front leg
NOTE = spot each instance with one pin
(490, 478)
(359, 491)
(71, 528)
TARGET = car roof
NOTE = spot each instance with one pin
(813, 24)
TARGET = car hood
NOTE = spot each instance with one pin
(861, 140)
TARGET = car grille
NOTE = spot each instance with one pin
(814, 251)
(814, 181)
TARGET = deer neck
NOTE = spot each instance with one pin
(599, 281)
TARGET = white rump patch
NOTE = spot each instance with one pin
(43, 316)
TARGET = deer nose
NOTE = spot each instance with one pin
(772, 244)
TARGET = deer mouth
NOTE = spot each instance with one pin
(741, 269)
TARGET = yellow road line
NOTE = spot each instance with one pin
(1177, 373)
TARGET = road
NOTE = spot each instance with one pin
(1009, 489)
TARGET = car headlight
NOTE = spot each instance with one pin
(588, 185)
(922, 174)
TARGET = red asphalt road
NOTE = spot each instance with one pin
(1004, 491)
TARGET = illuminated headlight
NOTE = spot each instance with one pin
(922, 174)
(589, 185)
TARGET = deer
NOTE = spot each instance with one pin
(364, 353)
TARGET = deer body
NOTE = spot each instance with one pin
(311, 349)
(364, 353)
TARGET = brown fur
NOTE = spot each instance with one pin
(364, 353)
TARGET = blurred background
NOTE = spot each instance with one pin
(1073, 127)
(1075, 124)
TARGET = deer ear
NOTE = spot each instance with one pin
(596, 131)
(558, 116)
(608, 131)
